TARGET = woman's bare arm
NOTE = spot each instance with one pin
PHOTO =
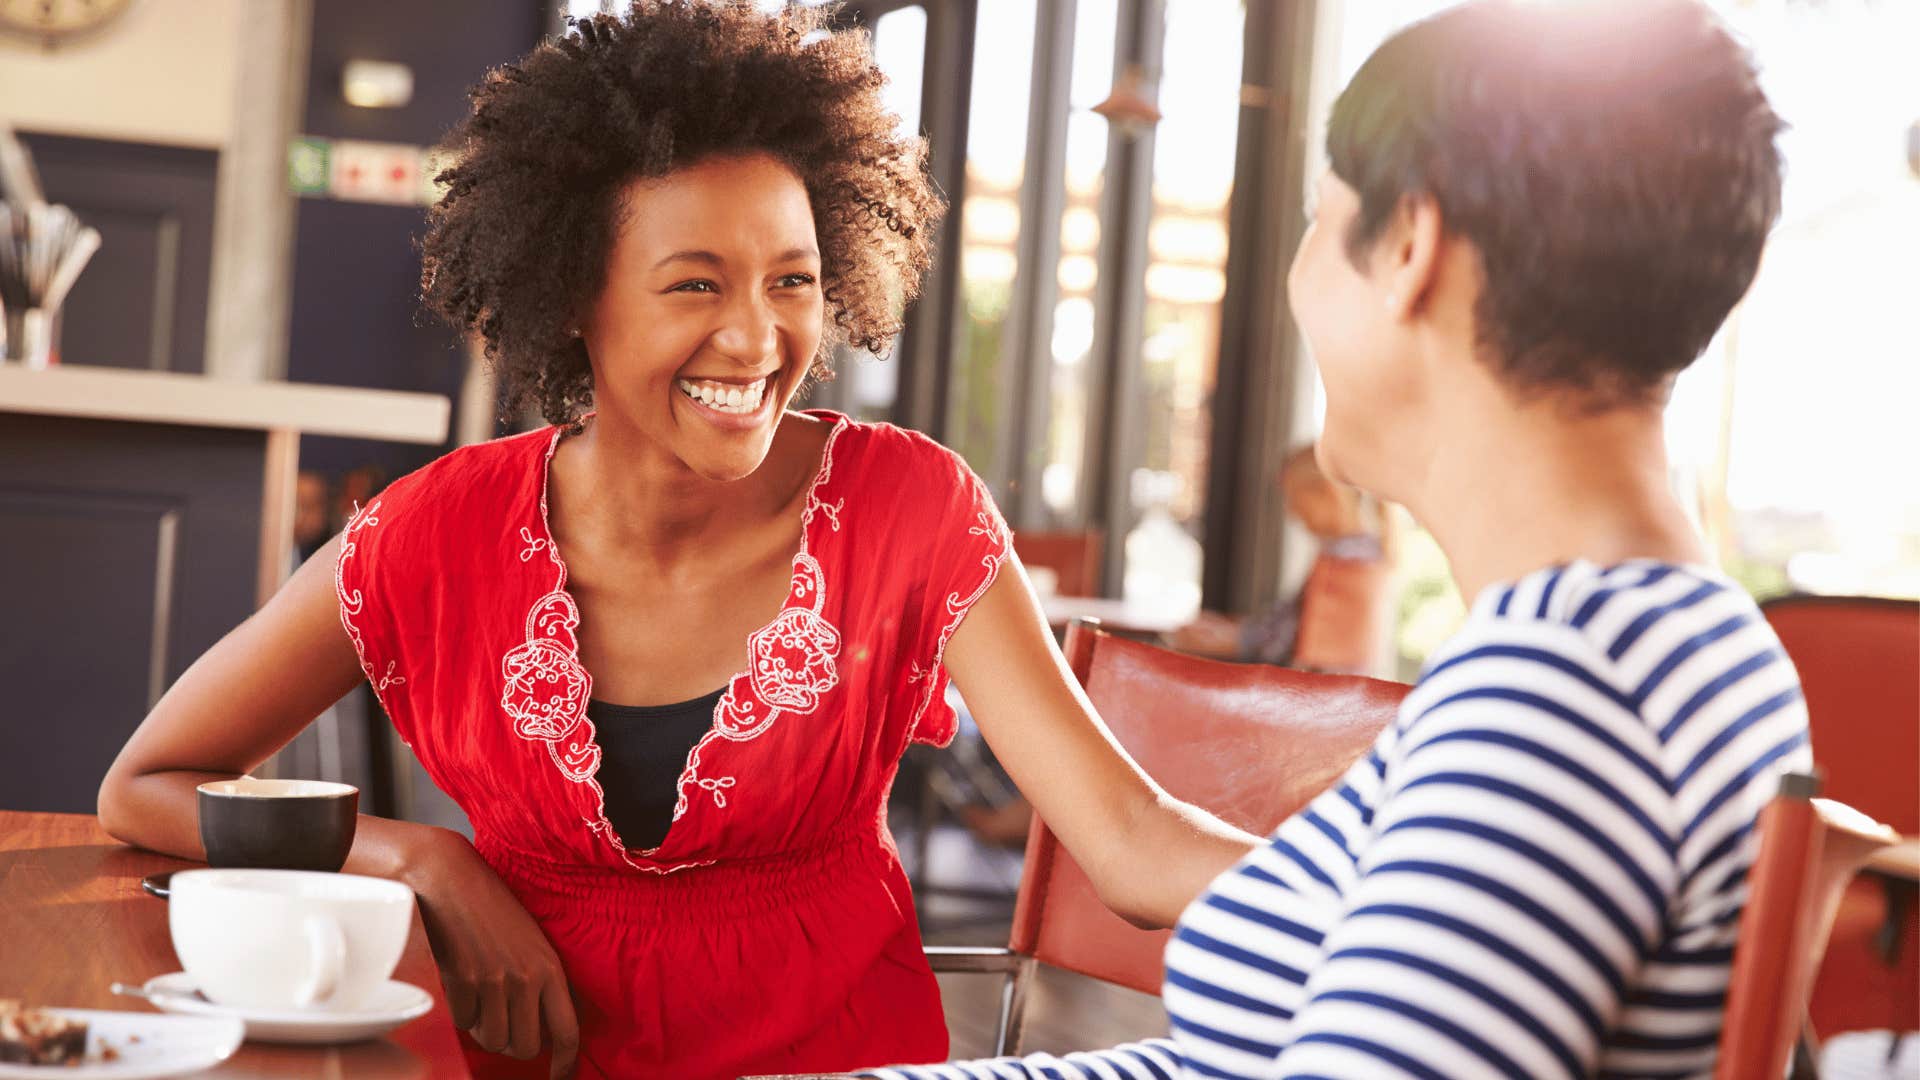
(1147, 853)
(247, 697)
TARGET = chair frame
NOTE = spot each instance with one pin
(1809, 849)
(1017, 962)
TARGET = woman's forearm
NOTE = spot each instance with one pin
(1146, 853)
(1168, 854)
(160, 811)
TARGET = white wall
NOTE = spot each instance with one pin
(165, 72)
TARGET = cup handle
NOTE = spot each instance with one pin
(327, 955)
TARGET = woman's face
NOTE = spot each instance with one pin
(712, 310)
(1361, 350)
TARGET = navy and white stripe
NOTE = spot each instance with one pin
(1536, 872)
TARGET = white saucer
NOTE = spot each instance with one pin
(392, 1005)
(146, 1047)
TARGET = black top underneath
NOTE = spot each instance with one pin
(643, 750)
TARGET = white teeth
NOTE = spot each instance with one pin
(726, 397)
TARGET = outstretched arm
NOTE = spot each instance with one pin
(1147, 853)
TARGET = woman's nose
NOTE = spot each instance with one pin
(749, 333)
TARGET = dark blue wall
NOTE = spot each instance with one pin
(356, 317)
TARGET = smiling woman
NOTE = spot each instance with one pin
(558, 143)
(666, 654)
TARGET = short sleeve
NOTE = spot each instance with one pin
(365, 607)
(961, 545)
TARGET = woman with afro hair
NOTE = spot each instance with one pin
(667, 651)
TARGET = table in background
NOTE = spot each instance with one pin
(74, 920)
(1118, 616)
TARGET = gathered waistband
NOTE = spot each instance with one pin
(723, 890)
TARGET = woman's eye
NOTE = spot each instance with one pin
(795, 280)
(693, 286)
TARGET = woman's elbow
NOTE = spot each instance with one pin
(113, 807)
(1132, 906)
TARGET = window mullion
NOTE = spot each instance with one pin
(1024, 396)
(1113, 425)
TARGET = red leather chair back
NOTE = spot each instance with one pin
(1074, 557)
(1251, 743)
(1859, 662)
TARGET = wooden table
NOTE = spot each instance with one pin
(73, 920)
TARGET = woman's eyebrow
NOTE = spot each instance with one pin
(706, 257)
(710, 259)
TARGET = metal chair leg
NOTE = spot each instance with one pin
(1012, 1028)
(1805, 1063)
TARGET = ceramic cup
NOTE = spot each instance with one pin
(278, 824)
(288, 939)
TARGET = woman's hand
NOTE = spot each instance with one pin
(503, 979)
(1209, 634)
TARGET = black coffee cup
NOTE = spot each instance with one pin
(278, 824)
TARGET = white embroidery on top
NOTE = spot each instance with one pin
(791, 665)
(989, 525)
(534, 545)
(353, 602)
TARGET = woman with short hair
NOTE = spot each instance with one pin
(1536, 215)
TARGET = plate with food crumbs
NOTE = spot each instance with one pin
(90, 1044)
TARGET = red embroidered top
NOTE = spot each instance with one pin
(772, 930)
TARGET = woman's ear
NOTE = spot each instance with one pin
(1409, 253)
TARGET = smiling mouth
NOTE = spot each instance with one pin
(741, 399)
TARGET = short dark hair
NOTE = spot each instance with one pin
(519, 243)
(1613, 161)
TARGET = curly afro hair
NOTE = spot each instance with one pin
(518, 246)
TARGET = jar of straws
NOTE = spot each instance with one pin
(43, 248)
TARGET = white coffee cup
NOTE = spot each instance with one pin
(288, 939)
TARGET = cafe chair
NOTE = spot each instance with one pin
(1859, 664)
(1809, 849)
(1250, 742)
(1073, 556)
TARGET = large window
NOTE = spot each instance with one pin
(1795, 434)
(1074, 338)
(1179, 350)
(1137, 247)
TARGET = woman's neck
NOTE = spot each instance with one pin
(1509, 489)
(647, 500)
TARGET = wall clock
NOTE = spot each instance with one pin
(55, 22)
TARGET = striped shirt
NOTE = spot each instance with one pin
(1535, 872)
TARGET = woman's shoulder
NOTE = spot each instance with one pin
(482, 477)
(451, 505)
(1654, 653)
(1627, 618)
(895, 458)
